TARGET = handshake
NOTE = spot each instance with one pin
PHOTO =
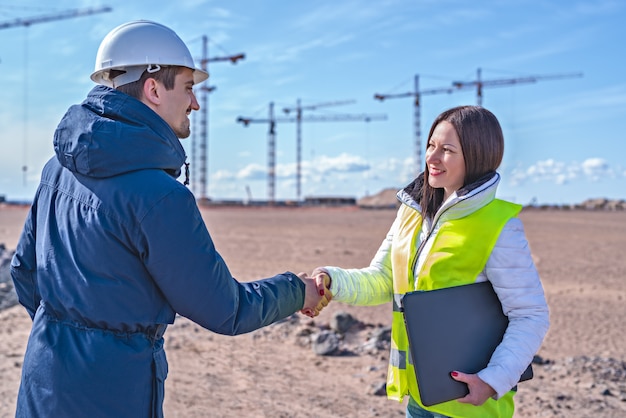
(317, 295)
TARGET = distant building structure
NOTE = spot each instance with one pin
(329, 201)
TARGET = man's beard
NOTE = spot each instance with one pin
(183, 131)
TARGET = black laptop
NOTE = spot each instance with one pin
(457, 328)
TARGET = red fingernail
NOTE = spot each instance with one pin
(455, 374)
(322, 292)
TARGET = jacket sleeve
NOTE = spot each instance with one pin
(512, 272)
(181, 257)
(24, 266)
(368, 286)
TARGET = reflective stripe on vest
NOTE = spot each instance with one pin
(459, 253)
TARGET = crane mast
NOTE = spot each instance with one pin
(271, 137)
(202, 172)
(299, 108)
(416, 94)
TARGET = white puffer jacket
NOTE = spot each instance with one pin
(510, 269)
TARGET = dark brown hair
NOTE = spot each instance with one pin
(482, 143)
(166, 75)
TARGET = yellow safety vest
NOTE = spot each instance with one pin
(459, 253)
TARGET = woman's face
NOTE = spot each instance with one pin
(444, 159)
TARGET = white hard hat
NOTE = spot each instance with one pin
(138, 46)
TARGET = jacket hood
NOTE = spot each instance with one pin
(112, 133)
(464, 201)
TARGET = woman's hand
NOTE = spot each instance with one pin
(479, 391)
(316, 296)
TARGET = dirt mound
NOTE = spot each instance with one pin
(385, 199)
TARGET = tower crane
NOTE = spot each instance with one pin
(298, 109)
(460, 85)
(271, 137)
(480, 84)
(416, 94)
(26, 22)
(50, 17)
(205, 89)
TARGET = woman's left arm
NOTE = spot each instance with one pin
(515, 279)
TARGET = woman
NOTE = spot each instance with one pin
(434, 243)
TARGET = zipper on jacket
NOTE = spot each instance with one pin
(438, 215)
(423, 243)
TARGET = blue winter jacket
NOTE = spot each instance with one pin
(112, 249)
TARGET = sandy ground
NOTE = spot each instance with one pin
(273, 372)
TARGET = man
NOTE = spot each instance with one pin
(114, 246)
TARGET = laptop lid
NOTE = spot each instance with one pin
(456, 328)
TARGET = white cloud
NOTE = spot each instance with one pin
(595, 168)
(222, 175)
(341, 168)
(559, 172)
(251, 172)
(342, 163)
(285, 171)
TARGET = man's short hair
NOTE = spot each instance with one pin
(166, 75)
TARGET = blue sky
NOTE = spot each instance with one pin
(565, 137)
